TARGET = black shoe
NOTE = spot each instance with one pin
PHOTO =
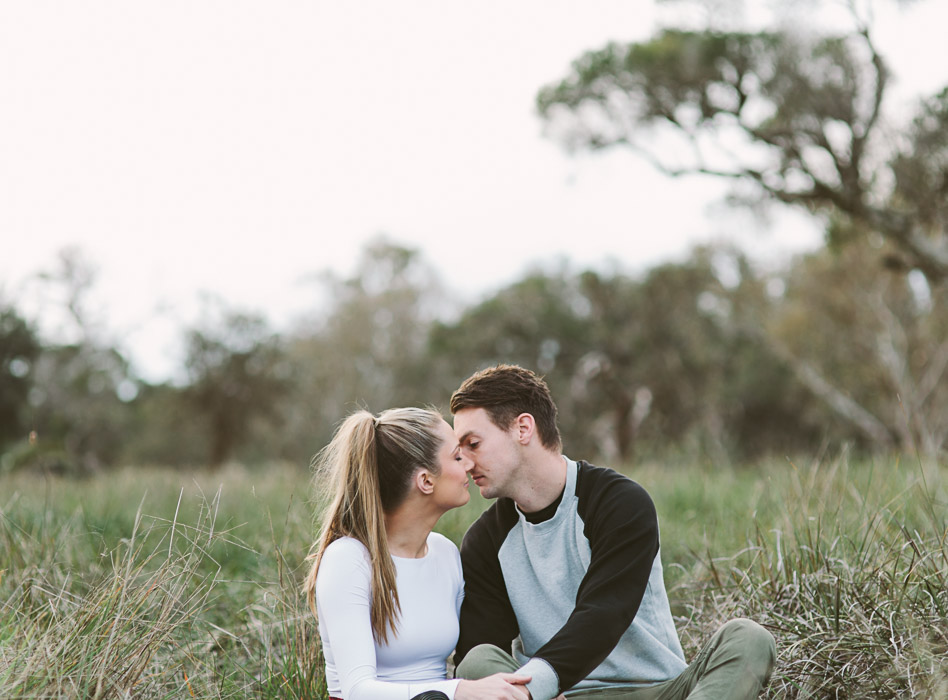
(431, 695)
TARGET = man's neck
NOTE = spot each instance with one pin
(546, 479)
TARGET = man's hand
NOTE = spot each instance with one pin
(499, 686)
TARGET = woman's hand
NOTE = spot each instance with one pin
(500, 686)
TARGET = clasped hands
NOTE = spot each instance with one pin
(499, 686)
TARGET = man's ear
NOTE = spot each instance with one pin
(526, 428)
(424, 481)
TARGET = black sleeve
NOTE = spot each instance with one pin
(621, 526)
(487, 616)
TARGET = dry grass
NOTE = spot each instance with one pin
(850, 579)
(845, 562)
(177, 606)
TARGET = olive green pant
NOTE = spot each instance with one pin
(735, 663)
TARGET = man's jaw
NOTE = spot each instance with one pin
(482, 484)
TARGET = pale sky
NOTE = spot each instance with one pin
(238, 147)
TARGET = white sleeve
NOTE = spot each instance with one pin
(460, 575)
(343, 594)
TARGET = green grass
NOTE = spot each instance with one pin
(150, 583)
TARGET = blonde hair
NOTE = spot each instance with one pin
(371, 461)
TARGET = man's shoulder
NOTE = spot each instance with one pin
(601, 491)
(491, 527)
(599, 481)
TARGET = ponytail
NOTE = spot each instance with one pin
(371, 461)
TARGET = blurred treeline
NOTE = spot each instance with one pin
(708, 359)
(714, 357)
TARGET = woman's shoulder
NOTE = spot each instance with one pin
(345, 552)
(441, 544)
(444, 550)
(343, 568)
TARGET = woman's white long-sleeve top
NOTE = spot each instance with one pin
(430, 591)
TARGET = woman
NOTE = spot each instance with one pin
(385, 589)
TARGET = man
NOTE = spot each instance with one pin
(563, 574)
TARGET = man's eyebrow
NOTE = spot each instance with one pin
(463, 438)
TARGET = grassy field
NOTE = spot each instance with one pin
(147, 583)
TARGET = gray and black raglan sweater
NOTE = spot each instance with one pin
(575, 591)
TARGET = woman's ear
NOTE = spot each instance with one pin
(424, 481)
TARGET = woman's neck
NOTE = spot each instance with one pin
(407, 531)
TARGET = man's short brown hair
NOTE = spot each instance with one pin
(506, 391)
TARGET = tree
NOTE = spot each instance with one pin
(79, 406)
(656, 354)
(166, 428)
(236, 375)
(19, 348)
(81, 382)
(796, 118)
(364, 346)
(638, 363)
(670, 364)
(885, 385)
(539, 322)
